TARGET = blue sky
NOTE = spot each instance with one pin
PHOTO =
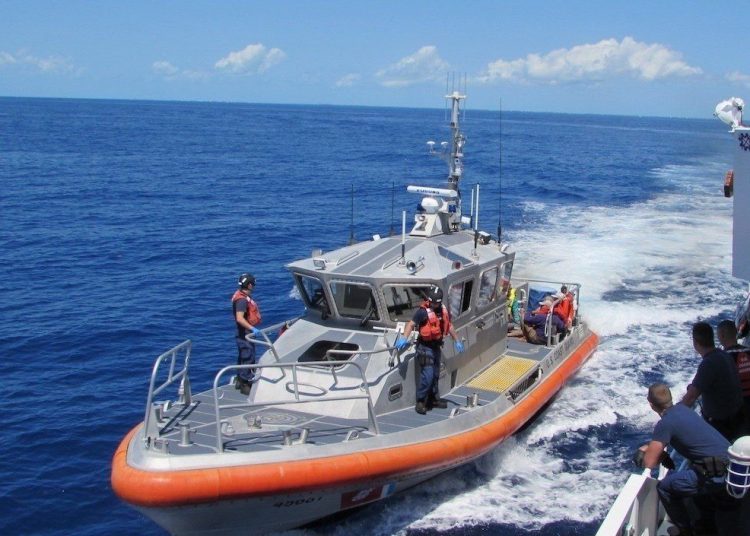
(663, 58)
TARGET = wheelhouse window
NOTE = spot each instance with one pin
(312, 292)
(403, 300)
(354, 300)
(488, 287)
(507, 269)
(459, 298)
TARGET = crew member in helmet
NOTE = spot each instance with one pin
(433, 322)
(246, 316)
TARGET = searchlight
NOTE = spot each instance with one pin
(738, 472)
(730, 111)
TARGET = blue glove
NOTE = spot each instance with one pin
(256, 331)
(459, 346)
(401, 343)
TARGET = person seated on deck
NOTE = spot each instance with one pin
(534, 322)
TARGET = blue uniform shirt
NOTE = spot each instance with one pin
(719, 383)
(689, 434)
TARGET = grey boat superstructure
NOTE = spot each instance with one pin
(330, 423)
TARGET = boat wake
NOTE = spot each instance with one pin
(648, 271)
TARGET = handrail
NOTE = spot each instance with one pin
(171, 378)
(267, 341)
(372, 420)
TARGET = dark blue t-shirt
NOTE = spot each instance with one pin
(719, 384)
(689, 434)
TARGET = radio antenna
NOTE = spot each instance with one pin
(393, 201)
(500, 180)
(351, 223)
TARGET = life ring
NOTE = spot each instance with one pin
(729, 183)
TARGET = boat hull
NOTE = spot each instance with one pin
(256, 498)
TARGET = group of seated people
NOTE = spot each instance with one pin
(559, 308)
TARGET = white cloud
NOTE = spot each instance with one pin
(172, 72)
(348, 80)
(252, 59)
(50, 64)
(734, 76)
(274, 56)
(591, 62)
(425, 65)
(164, 68)
(6, 58)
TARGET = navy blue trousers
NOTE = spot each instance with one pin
(430, 373)
(245, 356)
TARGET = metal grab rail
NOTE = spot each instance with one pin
(171, 378)
(266, 340)
(372, 421)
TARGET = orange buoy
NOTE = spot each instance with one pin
(729, 183)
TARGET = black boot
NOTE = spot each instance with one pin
(438, 402)
(441, 403)
(420, 407)
(242, 385)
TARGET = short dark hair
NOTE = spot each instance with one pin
(727, 329)
(703, 334)
(660, 396)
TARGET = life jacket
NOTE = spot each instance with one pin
(252, 314)
(741, 356)
(432, 329)
(565, 309)
(511, 299)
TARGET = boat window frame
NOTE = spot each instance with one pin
(506, 271)
(466, 297)
(388, 303)
(483, 302)
(373, 298)
(321, 304)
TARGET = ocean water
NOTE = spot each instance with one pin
(123, 227)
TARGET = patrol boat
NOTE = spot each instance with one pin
(330, 422)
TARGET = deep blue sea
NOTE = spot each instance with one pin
(124, 225)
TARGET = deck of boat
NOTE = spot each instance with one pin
(261, 429)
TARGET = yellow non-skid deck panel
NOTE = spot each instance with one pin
(502, 374)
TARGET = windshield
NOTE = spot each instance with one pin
(403, 300)
(312, 292)
(354, 300)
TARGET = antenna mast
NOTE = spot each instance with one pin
(351, 222)
(500, 180)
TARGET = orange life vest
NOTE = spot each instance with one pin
(252, 314)
(565, 309)
(742, 359)
(432, 329)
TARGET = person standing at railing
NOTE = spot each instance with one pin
(433, 321)
(566, 307)
(698, 442)
(246, 316)
(718, 382)
(726, 332)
